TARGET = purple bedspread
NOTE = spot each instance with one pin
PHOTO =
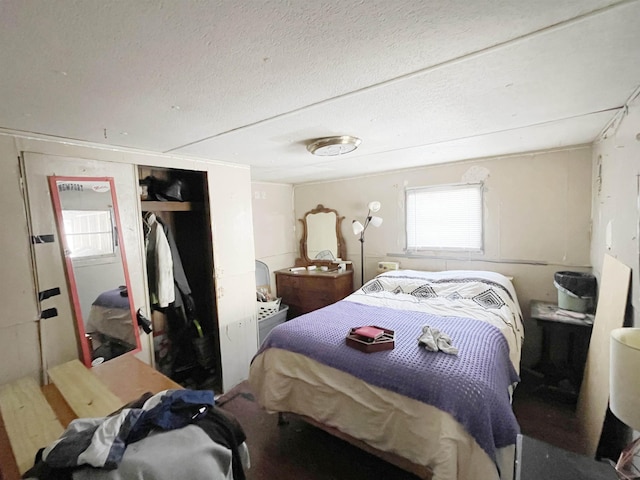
(472, 387)
(112, 299)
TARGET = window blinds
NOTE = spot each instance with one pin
(444, 217)
(89, 233)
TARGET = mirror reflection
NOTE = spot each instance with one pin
(322, 243)
(88, 224)
(322, 240)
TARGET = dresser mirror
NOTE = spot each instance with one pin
(89, 228)
(321, 242)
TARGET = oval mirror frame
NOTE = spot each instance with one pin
(304, 240)
(115, 304)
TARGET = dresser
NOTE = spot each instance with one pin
(305, 291)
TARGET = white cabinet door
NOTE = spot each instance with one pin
(234, 262)
(58, 333)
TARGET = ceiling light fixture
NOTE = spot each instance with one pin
(334, 146)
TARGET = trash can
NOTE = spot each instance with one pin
(576, 290)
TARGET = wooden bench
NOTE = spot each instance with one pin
(29, 420)
(32, 416)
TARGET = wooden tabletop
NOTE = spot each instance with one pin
(125, 376)
(129, 378)
(550, 312)
(314, 273)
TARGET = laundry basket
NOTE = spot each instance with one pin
(272, 312)
(266, 309)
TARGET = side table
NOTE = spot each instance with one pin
(575, 331)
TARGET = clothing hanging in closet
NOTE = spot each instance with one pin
(158, 238)
(163, 257)
(159, 263)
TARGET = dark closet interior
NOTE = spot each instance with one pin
(186, 343)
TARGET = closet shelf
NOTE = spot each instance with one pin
(153, 206)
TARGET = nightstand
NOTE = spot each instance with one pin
(536, 460)
(567, 331)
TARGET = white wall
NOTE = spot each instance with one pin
(537, 220)
(18, 329)
(274, 225)
(616, 197)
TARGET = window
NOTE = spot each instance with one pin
(89, 233)
(445, 217)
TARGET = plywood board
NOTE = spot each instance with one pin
(30, 422)
(594, 391)
(85, 393)
(129, 378)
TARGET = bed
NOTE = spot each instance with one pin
(447, 415)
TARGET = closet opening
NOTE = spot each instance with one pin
(179, 261)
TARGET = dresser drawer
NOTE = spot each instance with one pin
(306, 291)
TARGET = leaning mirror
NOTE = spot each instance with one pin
(322, 240)
(96, 266)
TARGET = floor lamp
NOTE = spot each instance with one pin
(359, 229)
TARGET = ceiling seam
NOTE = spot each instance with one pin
(453, 61)
(45, 137)
(612, 109)
(614, 123)
(529, 153)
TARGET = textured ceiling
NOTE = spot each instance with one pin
(253, 82)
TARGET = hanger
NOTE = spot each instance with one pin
(149, 218)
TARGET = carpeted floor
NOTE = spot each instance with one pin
(297, 450)
(302, 452)
(547, 416)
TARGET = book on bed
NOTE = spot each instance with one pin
(372, 333)
(371, 339)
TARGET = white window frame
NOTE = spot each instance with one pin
(409, 233)
(97, 250)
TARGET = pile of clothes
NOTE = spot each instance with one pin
(173, 434)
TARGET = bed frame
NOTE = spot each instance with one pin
(421, 471)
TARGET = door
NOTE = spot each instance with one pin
(59, 338)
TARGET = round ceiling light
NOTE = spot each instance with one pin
(333, 146)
